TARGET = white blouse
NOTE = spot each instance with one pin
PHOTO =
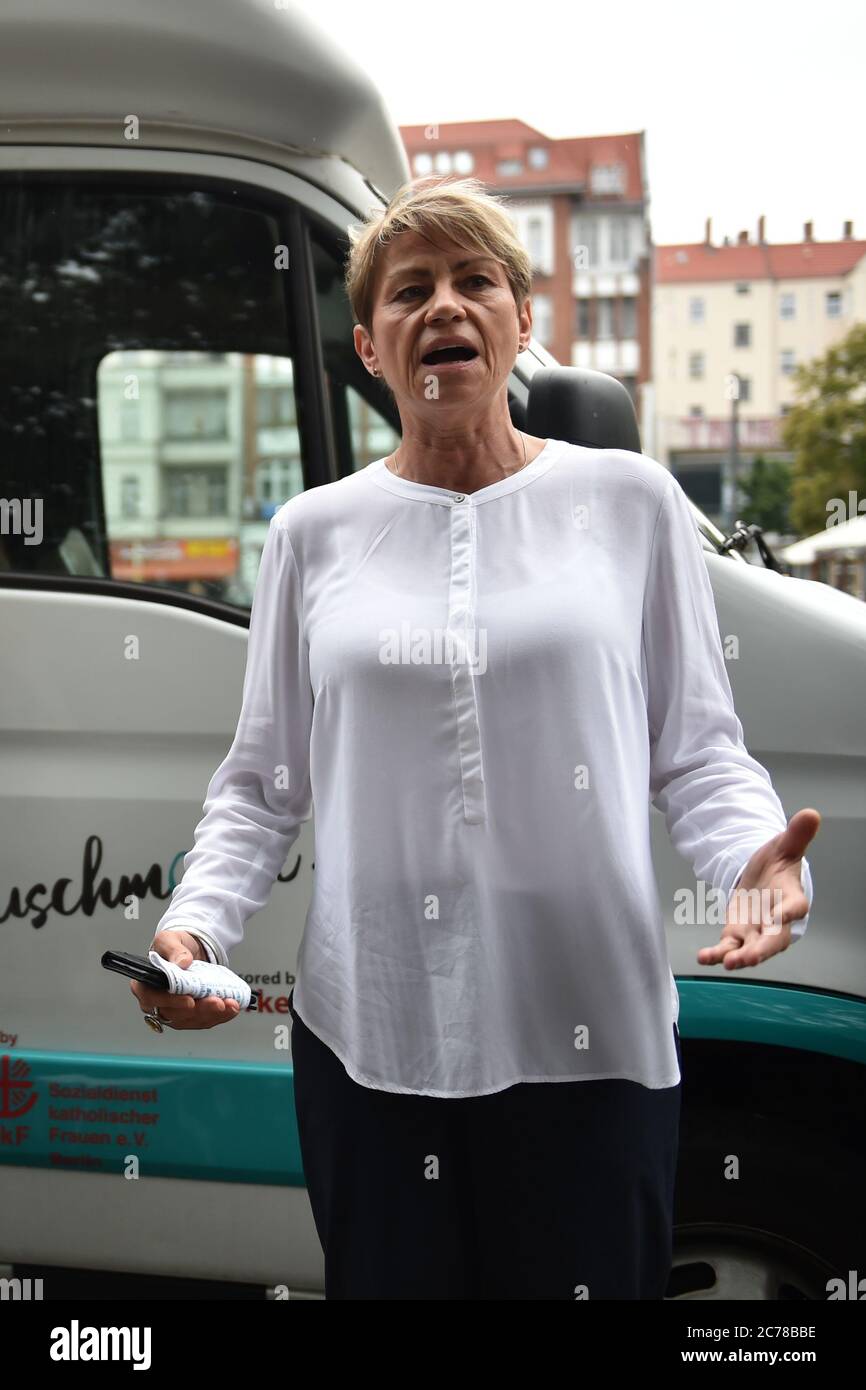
(479, 695)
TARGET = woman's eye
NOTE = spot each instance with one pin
(408, 288)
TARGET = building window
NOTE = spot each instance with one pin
(786, 410)
(787, 306)
(275, 405)
(276, 482)
(619, 245)
(742, 287)
(130, 420)
(788, 362)
(696, 365)
(195, 492)
(696, 310)
(745, 389)
(130, 498)
(535, 238)
(537, 157)
(696, 412)
(423, 164)
(464, 162)
(583, 318)
(196, 415)
(607, 178)
(628, 318)
(586, 235)
(703, 486)
(542, 319)
(605, 318)
(834, 304)
(508, 167)
(742, 335)
(442, 162)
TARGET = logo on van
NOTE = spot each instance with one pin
(17, 1095)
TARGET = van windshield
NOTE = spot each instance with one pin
(147, 370)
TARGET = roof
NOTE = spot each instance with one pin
(845, 535)
(750, 261)
(569, 160)
(242, 67)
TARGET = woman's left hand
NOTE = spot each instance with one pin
(758, 926)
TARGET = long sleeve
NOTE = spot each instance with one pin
(718, 801)
(260, 794)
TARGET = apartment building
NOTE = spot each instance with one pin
(580, 209)
(198, 450)
(730, 324)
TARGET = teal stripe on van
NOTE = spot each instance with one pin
(222, 1121)
(779, 1015)
(235, 1121)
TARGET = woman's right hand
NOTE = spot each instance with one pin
(181, 1010)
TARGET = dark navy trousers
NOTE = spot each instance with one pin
(547, 1190)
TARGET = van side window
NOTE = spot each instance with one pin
(147, 361)
(365, 421)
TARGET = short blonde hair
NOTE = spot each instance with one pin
(458, 210)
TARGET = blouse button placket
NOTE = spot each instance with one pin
(462, 650)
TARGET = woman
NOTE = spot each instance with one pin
(479, 658)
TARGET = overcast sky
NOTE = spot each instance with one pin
(749, 106)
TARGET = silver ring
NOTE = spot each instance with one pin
(154, 1019)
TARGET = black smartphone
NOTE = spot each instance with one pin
(140, 968)
(136, 968)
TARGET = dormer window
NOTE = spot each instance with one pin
(607, 178)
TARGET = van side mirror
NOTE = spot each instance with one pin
(584, 407)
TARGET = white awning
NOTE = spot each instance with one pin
(847, 535)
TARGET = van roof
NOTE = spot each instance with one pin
(73, 72)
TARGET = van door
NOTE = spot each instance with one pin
(160, 380)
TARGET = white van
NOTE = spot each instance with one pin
(176, 360)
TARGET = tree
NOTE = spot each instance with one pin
(826, 431)
(765, 495)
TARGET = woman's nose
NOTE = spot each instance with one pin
(445, 299)
(445, 304)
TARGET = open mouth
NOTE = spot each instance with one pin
(451, 354)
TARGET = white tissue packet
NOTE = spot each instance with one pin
(202, 979)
